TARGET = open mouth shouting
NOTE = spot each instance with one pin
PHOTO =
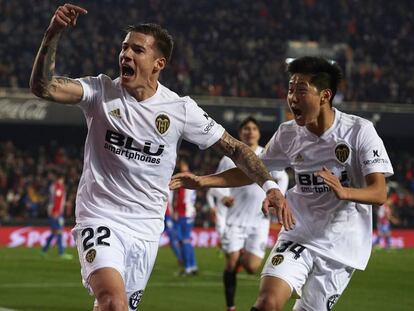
(297, 113)
(127, 72)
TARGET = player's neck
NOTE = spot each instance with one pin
(144, 92)
(323, 122)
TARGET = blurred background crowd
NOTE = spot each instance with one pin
(26, 174)
(228, 48)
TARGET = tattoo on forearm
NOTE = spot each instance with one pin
(41, 80)
(244, 158)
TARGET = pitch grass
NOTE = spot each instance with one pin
(31, 283)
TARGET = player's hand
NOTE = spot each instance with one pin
(227, 201)
(65, 16)
(333, 182)
(275, 199)
(186, 180)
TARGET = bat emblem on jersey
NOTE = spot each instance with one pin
(331, 302)
(90, 255)
(342, 152)
(162, 123)
(277, 259)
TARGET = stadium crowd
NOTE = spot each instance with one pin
(26, 174)
(229, 48)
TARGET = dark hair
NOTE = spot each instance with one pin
(324, 74)
(163, 40)
(248, 120)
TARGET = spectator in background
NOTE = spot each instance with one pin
(375, 33)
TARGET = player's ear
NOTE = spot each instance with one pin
(326, 96)
(160, 64)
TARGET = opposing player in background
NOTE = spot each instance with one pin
(340, 166)
(135, 125)
(246, 229)
(56, 213)
(384, 219)
(184, 213)
(170, 230)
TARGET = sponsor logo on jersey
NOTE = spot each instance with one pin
(162, 123)
(209, 126)
(376, 158)
(135, 298)
(342, 152)
(277, 259)
(331, 302)
(115, 113)
(90, 255)
(127, 147)
(310, 183)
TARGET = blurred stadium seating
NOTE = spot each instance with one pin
(229, 48)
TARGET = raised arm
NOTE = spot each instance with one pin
(43, 82)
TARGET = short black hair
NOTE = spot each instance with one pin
(163, 40)
(325, 74)
(248, 120)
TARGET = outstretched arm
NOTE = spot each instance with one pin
(250, 169)
(43, 82)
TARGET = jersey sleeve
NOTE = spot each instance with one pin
(372, 155)
(199, 128)
(92, 92)
(273, 155)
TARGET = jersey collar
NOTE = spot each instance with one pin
(327, 133)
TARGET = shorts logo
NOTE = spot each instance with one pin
(90, 255)
(277, 259)
(135, 298)
(331, 302)
(342, 152)
(162, 123)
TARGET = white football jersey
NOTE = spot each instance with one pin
(130, 153)
(351, 149)
(247, 208)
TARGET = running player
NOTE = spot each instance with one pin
(135, 125)
(56, 213)
(246, 231)
(340, 166)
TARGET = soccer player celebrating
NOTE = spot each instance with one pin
(135, 125)
(246, 229)
(340, 166)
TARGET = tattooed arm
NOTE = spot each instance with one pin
(249, 169)
(43, 83)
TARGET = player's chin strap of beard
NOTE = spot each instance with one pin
(254, 309)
